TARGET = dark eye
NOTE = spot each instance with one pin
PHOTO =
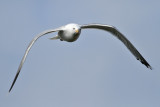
(73, 28)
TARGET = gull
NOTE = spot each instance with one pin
(71, 33)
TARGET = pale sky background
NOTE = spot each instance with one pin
(95, 71)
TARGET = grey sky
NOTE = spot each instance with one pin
(97, 70)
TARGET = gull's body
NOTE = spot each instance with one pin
(71, 32)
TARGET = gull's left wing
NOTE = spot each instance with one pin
(121, 37)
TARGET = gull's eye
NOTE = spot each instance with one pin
(73, 28)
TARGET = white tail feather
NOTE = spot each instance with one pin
(56, 37)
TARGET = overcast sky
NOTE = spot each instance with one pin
(97, 70)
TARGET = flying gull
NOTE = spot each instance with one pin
(71, 32)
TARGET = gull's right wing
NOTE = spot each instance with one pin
(28, 49)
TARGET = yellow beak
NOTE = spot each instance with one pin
(77, 31)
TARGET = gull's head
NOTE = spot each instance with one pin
(71, 32)
(73, 28)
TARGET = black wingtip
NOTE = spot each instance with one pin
(149, 67)
(146, 64)
(13, 82)
(11, 87)
(10, 90)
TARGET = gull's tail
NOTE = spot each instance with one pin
(54, 38)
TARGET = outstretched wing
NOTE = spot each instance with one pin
(121, 37)
(27, 50)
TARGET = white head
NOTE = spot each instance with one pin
(70, 33)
